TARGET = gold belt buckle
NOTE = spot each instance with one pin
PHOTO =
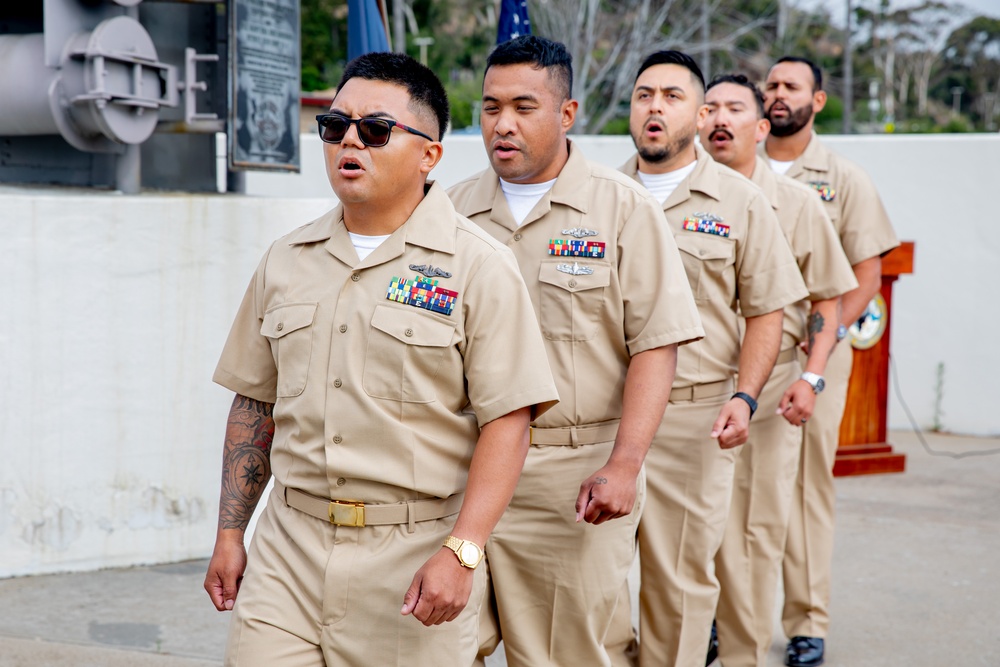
(347, 513)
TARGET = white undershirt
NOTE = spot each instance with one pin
(522, 197)
(780, 167)
(364, 245)
(663, 185)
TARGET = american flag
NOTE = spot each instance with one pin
(513, 20)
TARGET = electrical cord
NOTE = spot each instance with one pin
(920, 434)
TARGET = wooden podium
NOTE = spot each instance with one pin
(863, 449)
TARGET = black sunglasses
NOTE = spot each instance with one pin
(373, 132)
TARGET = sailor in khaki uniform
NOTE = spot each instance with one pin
(385, 360)
(793, 95)
(749, 561)
(735, 257)
(613, 303)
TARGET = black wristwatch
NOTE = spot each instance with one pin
(749, 399)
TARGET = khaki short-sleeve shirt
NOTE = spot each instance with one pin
(604, 277)
(735, 256)
(382, 371)
(822, 263)
(850, 199)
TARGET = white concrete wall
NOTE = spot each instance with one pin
(116, 308)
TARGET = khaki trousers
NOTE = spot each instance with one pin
(689, 484)
(809, 545)
(315, 594)
(749, 562)
(555, 582)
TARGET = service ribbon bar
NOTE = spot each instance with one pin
(825, 190)
(574, 248)
(706, 226)
(422, 293)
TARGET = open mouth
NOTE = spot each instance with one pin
(654, 128)
(720, 137)
(505, 149)
(350, 165)
(778, 109)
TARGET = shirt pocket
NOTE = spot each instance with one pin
(404, 354)
(707, 261)
(289, 328)
(570, 305)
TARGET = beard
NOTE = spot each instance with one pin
(658, 154)
(794, 122)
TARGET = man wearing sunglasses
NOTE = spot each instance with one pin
(375, 378)
(613, 303)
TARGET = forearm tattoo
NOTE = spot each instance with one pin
(246, 460)
(815, 325)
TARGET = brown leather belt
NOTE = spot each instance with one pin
(359, 514)
(696, 392)
(574, 436)
(786, 355)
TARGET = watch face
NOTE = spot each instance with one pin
(820, 385)
(470, 553)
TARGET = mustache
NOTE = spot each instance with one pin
(725, 133)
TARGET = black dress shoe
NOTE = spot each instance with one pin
(804, 652)
(713, 646)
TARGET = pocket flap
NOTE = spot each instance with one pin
(286, 318)
(550, 273)
(412, 327)
(704, 246)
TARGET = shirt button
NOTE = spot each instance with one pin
(281, 325)
(408, 332)
(337, 383)
(517, 237)
(343, 328)
(337, 439)
(572, 283)
(355, 277)
(341, 481)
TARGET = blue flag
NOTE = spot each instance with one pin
(365, 29)
(513, 20)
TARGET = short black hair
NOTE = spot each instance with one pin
(540, 53)
(817, 72)
(741, 80)
(421, 83)
(672, 58)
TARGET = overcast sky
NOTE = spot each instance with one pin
(975, 7)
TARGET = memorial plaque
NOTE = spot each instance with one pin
(264, 88)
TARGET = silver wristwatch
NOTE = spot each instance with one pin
(815, 381)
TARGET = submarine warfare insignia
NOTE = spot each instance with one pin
(430, 271)
(580, 232)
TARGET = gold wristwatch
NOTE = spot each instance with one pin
(469, 553)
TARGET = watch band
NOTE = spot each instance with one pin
(749, 401)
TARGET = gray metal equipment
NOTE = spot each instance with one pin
(84, 86)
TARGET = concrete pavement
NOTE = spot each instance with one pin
(916, 583)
